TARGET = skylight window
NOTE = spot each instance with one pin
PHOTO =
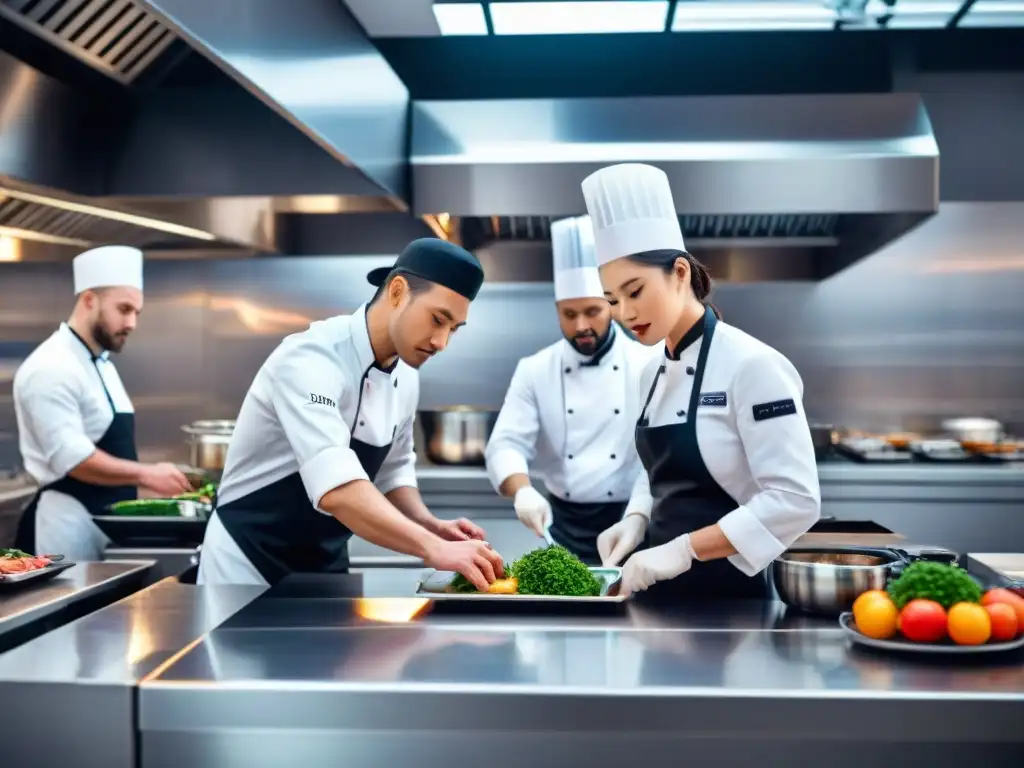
(575, 17)
(723, 15)
(456, 19)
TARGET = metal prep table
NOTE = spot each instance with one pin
(322, 671)
(29, 609)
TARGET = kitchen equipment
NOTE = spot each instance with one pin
(903, 645)
(974, 431)
(433, 584)
(823, 436)
(547, 537)
(457, 435)
(208, 443)
(872, 449)
(826, 580)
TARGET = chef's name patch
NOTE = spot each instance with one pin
(321, 400)
(713, 399)
(774, 409)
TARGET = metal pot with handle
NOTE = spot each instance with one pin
(458, 435)
(208, 443)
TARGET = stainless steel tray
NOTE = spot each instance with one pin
(906, 646)
(40, 574)
(433, 584)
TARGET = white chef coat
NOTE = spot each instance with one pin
(755, 440)
(299, 416)
(574, 423)
(62, 410)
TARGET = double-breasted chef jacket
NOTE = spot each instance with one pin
(724, 439)
(319, 414)
(68, 402)
(571, 417)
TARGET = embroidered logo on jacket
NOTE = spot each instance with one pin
(774, 409)
(321, 400)
(714, 399)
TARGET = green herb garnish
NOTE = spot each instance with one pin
(554, 571)
(945, 584)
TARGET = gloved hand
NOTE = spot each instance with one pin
(622, 538)
(532, 509)
(656, 564)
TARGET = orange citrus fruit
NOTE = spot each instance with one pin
(969, 624)
(871, 594)
(876, 617)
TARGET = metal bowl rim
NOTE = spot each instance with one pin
(831, 565)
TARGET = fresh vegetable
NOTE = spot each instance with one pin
(511, 586)
(14, 561)
(923, 621)
(464, 586)
(1004, 621)
(945, 584)
(876, 617)
(147, 507)
(554, 571)
(968, 624)
(1012, 599)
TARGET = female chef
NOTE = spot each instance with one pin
(721, 433)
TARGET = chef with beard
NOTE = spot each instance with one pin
(569, 412)
(76, 423)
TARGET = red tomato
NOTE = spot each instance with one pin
(923, 621)
(1004, 621)
(1012, 599)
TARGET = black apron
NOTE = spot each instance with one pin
(687, 498)
(281, 532)
(577, 526)
(119, 442)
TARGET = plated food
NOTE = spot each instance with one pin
(551, 573)
(937, 606)
(14, 561)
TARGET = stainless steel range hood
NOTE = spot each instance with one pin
(767, 187)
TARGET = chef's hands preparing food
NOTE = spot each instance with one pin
(474, 559)
(615, 543)
(163, 480)
(532, 509)
(657, 564)
(459, 530)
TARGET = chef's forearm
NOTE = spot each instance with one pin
(100, 468)
(511, 484)
(408, 501)
(711, 543)
(365, 511)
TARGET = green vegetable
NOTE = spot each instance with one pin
(945, 584)
(464, 586)
(146, 507)
(554, 571)
(13, 553)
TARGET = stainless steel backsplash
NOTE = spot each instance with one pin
(930, 327)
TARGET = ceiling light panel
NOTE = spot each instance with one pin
(578, 17)
(460, 19)
(722, 15)
(994, 13)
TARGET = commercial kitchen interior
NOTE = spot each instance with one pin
(849, 170)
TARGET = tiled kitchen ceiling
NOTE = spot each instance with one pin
(461, 18)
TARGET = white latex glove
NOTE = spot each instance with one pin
(656, 564)
(613, 544)
(532, 509)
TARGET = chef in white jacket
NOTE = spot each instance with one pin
(569, 412)
(722, 431)
(76, 423)
(323, 445)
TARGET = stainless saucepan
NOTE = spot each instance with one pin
(457, 435)
(208, 443)
(826, 580)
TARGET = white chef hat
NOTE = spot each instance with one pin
(632, 211)
(572, 250)
(107, 266)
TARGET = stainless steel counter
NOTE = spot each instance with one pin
(310, 671)
(25, 603)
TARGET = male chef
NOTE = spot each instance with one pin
(570, 411)
(76, 424)
(323, 445)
